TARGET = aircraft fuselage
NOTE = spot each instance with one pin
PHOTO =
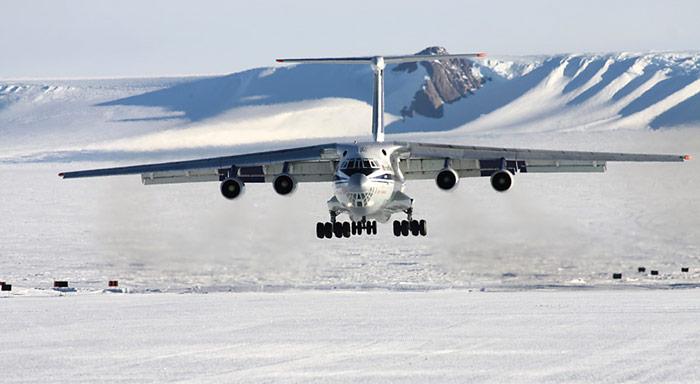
(366, 181)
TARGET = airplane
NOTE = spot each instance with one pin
(369, 178)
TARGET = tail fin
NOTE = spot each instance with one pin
(378, 63)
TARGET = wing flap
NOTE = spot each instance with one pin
(414, 169)
(549, 166)
(174, 177)
(302, 171)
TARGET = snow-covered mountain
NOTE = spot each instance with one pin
(578, 92)
(524, 94)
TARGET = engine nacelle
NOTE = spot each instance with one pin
(501, 181)
(232, 188)
(447, 179)
(284, 184)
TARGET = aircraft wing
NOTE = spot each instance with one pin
(424, 161)
(312, 163)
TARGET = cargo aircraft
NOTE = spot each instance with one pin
(369, 178)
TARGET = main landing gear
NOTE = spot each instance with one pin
(338, 229)
(410, 226)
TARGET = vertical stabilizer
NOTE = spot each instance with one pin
(378, 99)
(378, 64)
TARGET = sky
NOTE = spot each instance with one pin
(138, 38)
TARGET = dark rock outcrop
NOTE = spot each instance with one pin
(449, 81)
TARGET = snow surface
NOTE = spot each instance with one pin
(354, 337)
(550, 230)
(566, 232)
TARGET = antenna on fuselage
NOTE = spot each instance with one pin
(378, 64)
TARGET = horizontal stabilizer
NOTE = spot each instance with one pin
(414, 58)
(329, 60)
(387, 59)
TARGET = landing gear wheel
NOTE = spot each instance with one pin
(328, 230)
(397, 228)
(338, 229)
(423, 227)
(404, 227)
(372, 227)
(346, 229)
(320, 230)
(414, 227)
(353, 228)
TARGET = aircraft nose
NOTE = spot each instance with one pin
(358, 183)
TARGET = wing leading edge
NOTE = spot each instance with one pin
(327, 152)
(425, 150)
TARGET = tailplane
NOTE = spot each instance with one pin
(378, 64)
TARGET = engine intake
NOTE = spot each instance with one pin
(501, 181)
(232, 187)
(284, 184)
(447, 179)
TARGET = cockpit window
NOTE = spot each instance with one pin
(352, 166)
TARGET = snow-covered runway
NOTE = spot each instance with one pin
(311, 336)
(370, 309)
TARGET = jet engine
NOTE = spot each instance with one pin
(502, 180)
(447, 179)
(232, 187)
(284, 184)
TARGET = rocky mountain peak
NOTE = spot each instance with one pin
(447, 82)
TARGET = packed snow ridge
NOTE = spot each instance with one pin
(573, 92)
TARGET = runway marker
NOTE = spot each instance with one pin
(62, 286)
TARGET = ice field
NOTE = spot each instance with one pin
(565, 229)
(509, 287)
(640, 336)
(513, 287)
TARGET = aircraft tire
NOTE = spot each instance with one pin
(397, 228)
(404, 227)
(346, 229)
(338, 229)
(353, 228)
(415, 229)
(328, 230)
(320, 230)
(423, 227)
